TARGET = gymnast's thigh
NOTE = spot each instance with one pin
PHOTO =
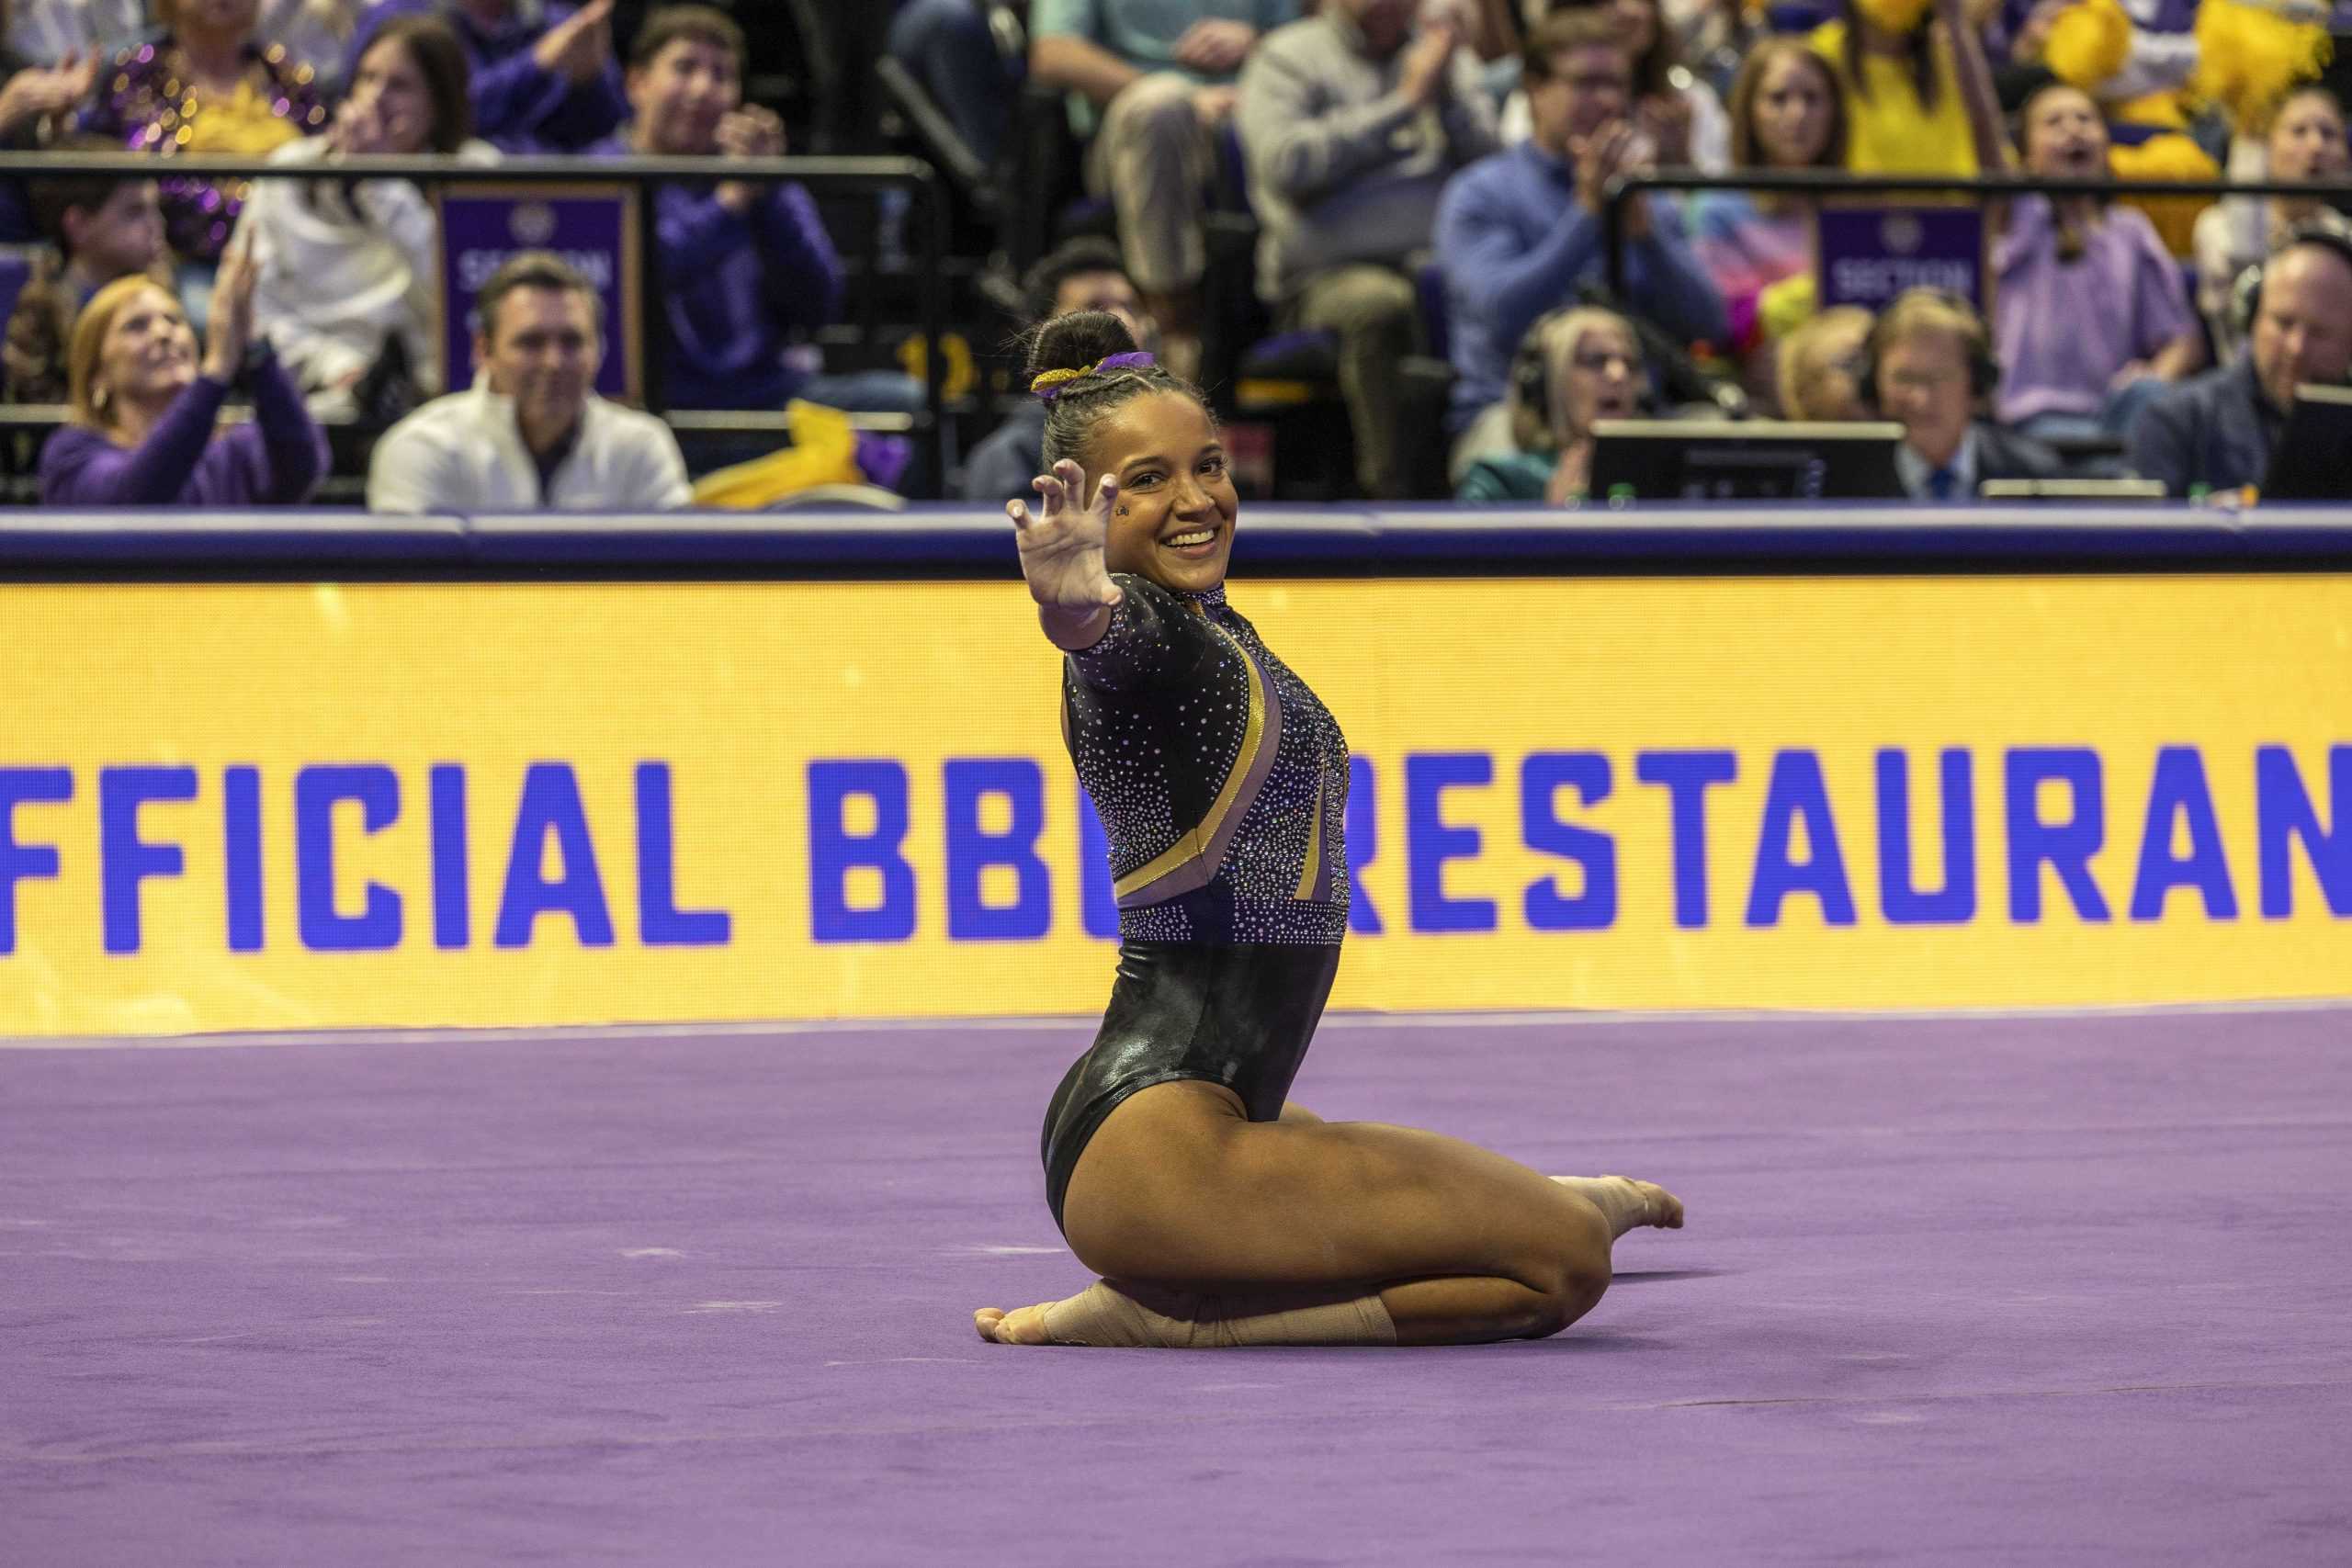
(1179, 1188)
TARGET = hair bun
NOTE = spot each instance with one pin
(1078, 340)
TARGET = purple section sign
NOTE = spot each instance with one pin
(1870, 254)
(592, 227)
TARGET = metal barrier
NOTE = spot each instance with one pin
(821, 176)
(1835, 182)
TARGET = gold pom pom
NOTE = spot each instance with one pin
(2167, 157)
(2250, 56)
(2089, 43)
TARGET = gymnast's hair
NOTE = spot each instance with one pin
(1080, 342)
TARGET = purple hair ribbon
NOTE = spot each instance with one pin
(1049, 383)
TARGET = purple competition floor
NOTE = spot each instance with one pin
(2041, 1289)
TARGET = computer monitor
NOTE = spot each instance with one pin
(1696, 459)
(2314, 457)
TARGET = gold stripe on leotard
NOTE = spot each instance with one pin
(1195, 844)
(1314, 844)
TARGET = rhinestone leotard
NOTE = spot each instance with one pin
(1222, 784)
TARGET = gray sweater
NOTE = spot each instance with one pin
(1341, 169)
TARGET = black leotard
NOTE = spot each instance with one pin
(1222, 783)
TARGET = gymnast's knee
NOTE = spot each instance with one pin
(1572, 1279)
(1560, 1300)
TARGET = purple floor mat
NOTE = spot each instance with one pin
(2000, 1290)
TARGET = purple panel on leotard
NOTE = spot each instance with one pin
(2034, 1290)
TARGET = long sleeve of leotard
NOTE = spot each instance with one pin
(1141, 646)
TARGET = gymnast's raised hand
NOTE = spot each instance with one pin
(1061, 555)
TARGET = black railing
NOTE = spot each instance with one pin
(1822, 183)
(821, 176)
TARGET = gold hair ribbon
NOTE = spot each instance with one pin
(1050, 382)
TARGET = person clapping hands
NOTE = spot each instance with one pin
(146, 405)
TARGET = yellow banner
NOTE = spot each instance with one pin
(268, 806)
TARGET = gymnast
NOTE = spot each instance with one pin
(1216, 1214)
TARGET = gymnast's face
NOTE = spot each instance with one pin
(1173, 519)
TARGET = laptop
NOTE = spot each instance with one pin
(2314, 457)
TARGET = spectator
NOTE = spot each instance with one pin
(36, 101)
(2144, 49)
(949, 47)
(1577, 367)
(1494, 32)
(744, 266)
(1683, 118)
(2137, 61)
(2305, 142)
(103, 229)
(316, 33)
(207, 84)
(1160, 78)
(145, 409)
(350, 289)
(59, 32)
(1917, 91)
(1520, 233)
(544, 76)
(37, 95)
(1084, 274)
(1929, 366)
(1786, 113)
(1352, 133)
(2218, 430)
(532, 434)
(2089, 311)
(1820, 366)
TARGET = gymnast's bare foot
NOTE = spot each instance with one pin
(1102, 1313)
(1025, 1325)
(1626, 1202)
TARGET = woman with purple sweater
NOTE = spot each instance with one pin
(144, 430)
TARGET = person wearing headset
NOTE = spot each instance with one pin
(2218, 431)
(1574, 368)
(1929, 365)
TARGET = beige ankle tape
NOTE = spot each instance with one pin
(1108, 1315)
(1637, 1202)
(1621, 1202)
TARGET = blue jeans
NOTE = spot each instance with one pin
(948, 45)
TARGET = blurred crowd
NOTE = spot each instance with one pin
(1372, 229)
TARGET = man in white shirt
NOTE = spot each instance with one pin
(530, 436)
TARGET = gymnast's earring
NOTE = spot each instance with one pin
(100, 398)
